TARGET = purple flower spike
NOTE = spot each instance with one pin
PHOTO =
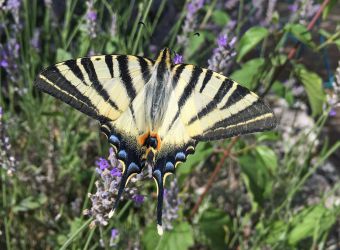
(116, 172)
(102, 163)
(114, 233)
(178, 59)
(293, 8)
(92, 15)
(138, 199)
(222, 40)
(1, 111)
(4, 63)
(332, 113)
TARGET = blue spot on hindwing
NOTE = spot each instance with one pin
(169, 167)
(180, 156)
(157, 174)
(133, 168)
(122, 155)
(114, 140)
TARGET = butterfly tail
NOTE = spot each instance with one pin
(158, 177)
(129, 172)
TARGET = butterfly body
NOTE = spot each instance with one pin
(154, 112)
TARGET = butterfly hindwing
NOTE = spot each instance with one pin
(91, 84)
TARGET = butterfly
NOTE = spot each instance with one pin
(154, 112)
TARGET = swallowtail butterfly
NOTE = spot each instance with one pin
(154, 112)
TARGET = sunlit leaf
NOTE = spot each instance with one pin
(248, 73)
(249, 40)
(268, 157)
(301, 33)
(310, 219)
(220, 17)
(312, 83)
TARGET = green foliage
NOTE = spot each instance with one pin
(179, 238)
(313, 86)
(216, 225)
(250, 40)
(300, 32)
(248, 74)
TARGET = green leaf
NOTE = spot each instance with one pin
(310, 220)
(268, 157)
(301, 33)
(30, 203)
(249, 40)
(220, 17)
(63, 55)
(313, 86)
(247, 75)
(328, 8)
(276, 231)
(179, 238)
(215, 225)
(281, 90)
(257, 178)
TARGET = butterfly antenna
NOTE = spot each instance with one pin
(146, 28)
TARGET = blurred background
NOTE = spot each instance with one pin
(271, 190)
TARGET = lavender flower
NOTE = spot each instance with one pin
(303, 10)
(9, 55)
(107, 189)
(138, 199)
(13, 6)
(178, 59)
(7, 161)
(190, 21)
(223, 55)
(91, 18)
(114, 237)
(171, 203)
(332, 112)
(333, 94)
(102, 163)
(35, 41)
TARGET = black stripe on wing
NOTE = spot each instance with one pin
(123, 64)
(52, 82)
(206, 79)
(255, 118)
(221, 92)
(92, 74)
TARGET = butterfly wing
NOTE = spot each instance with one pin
(107, 88)
(211, 106)
(100, 86)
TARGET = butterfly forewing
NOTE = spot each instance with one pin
(100, 86)
(212, 106)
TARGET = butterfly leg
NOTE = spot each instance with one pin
(160, 173)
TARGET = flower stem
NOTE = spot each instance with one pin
(213, 176)
(134, 50)
(75, 234)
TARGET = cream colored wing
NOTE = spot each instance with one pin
(100, 86)
(211, 106)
